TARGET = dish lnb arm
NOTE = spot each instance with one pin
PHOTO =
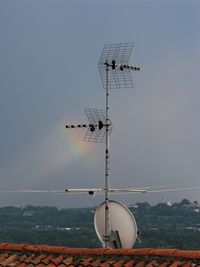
(115, 239)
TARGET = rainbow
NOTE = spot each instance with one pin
(74, 145)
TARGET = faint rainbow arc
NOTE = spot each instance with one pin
(75, 147)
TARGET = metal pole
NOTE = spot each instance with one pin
(107, 226)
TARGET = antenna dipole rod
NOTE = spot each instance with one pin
(78, 126)
(91, 126)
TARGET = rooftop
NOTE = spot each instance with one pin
(22, 255)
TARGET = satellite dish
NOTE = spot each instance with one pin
(122, 224)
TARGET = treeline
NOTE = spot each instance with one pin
(162, 226)
(169, 225)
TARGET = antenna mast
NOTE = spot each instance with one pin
(115, 74)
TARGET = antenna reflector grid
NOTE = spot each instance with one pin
(116, 54)
(96, 117)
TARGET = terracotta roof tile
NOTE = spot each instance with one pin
(140, 264)
(119, 263)
(37, 259)
(175, 264)
(165, 264)
(57, 260)
(96, 263)
(152, 264)
(40, 265)
(47, 259)
(86, 261)
(129, 263)
(188, 264)
(105, 264)
(24, 255)
(22, 265)
(68, 260)
(10, 259)
(3, 257)
(22, 258)
(28, 259)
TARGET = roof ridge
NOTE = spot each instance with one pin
(174, 253)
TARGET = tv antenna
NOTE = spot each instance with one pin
(112, 218)
(115, 73)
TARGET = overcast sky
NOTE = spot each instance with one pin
(49, 51)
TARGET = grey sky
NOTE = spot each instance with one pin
(49, 52)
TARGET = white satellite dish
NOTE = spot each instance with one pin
(122, 225)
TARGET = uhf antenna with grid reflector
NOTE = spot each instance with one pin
(96, 129)
(114, 59)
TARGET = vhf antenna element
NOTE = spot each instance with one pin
(115, 73)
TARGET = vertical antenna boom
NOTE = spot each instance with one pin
(115, 74)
